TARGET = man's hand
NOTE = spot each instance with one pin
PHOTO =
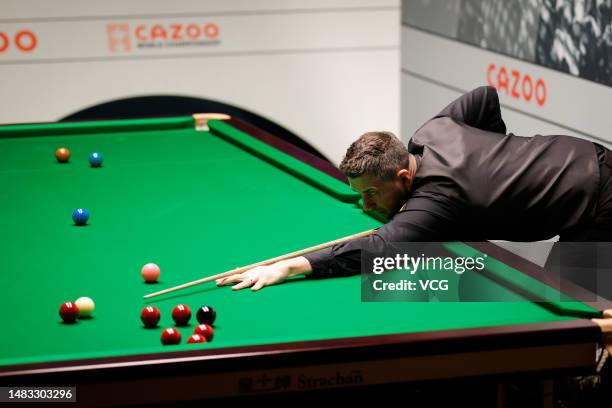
(261, 276)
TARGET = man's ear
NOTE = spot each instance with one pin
(405, 176)
(402, 173)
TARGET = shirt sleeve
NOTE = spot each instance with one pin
(432, 223)
(478, 108)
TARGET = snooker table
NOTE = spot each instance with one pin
(201, 195)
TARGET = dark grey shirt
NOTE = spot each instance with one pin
(474, 182)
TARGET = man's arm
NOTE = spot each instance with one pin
(345, 259)
(424, 219)
(338, 260)
(406, 226)
(478, 108)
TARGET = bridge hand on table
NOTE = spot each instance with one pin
(267, 275)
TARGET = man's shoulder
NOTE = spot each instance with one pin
(441, 129)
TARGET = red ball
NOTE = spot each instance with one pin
(150, 316)
(69, 312)
(62, 154)
(196, 338)
(181, 314)
(205, 330)
(170, 336)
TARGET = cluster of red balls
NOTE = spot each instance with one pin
(203, 333)
(181, 314)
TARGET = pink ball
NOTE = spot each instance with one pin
(150, 272)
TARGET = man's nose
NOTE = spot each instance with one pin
(367, 203)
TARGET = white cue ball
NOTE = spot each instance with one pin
(86, 306)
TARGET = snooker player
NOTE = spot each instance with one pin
(461, 177)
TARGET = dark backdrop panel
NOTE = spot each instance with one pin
(159, 106)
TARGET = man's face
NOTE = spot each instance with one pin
(385, 197)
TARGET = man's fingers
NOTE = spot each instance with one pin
(245, 279)
(258, 285)
(229, 279)
(244, 284)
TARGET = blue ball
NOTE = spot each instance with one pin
(95, 159)
(80, 216)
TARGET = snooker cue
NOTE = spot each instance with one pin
(261, 263)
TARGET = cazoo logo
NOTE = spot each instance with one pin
(123, 37)
(22, 40)
(517, 84)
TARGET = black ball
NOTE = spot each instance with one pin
(206, 315)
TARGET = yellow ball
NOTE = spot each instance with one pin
(86, 306)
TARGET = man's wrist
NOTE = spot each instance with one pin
(297, 266)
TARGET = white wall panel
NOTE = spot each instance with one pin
(327, 70)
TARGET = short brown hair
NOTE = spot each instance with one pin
(379, 154)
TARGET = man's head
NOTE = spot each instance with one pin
(379, 167)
